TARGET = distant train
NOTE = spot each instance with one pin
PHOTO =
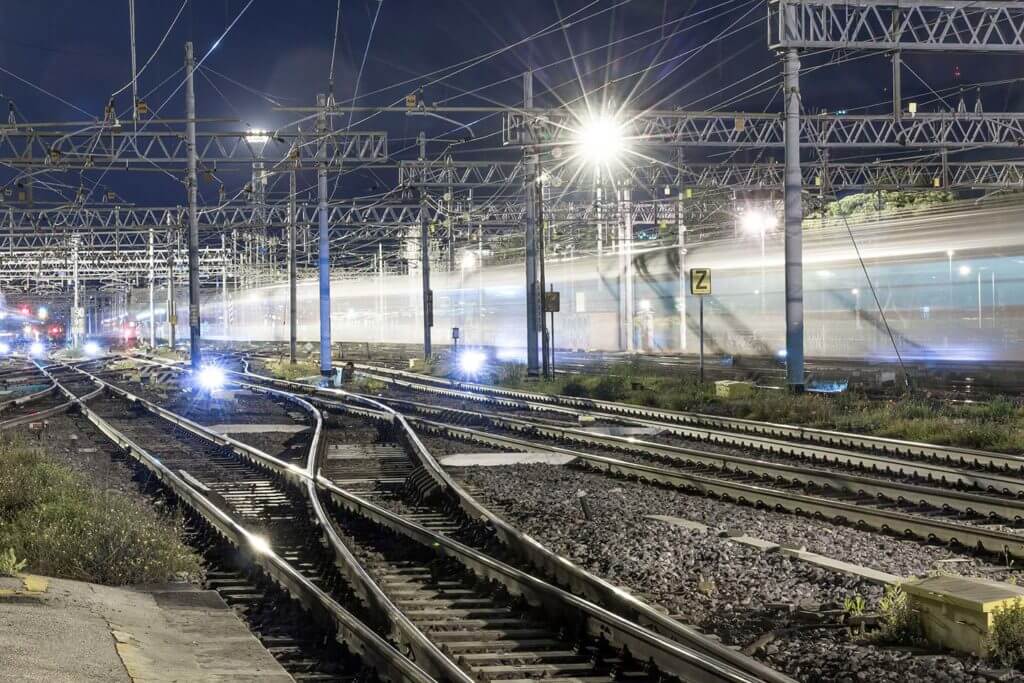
(943, 284)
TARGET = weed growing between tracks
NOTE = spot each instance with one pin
(63, 526)
(285, 370)
(996, 425)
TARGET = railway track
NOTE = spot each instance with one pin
(791, 439)
(252, 502)
(451, 512)
(972, 519)
(41, 404)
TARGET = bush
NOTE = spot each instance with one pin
(610, 388)
(576, 388)
(1006, 638)
(54, 519)
(900, 623)
(511, 374)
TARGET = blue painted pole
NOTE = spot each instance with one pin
(324, 261)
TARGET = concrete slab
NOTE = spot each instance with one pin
(756, 543)
(56, 630)
(679, 522)
(244, 428)
(621, 430)
(735, 536)
(500, 459)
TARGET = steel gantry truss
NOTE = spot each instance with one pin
(742, 129)
(839, 176)
(945, 25)
(105, 144)
(56, 265)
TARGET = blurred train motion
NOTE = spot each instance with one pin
(942, 284)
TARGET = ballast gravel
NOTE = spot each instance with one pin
(729, 590)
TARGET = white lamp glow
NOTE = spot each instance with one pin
(758, 222)
(211, 377)
(471, 362)
(601, 140)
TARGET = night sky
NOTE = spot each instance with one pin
(680, 53)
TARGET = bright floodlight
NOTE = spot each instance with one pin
(91, 348)
(257, 137)
(758, 222)
(468, 260)
(5, 348)
(36, 349)
(601, 140)
(42, 312)
(211, 377)
(471, 362)
(965, 270)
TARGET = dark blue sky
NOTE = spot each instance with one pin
(78, 50)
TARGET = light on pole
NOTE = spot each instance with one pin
(856, 294)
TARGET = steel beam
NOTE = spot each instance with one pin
(742, 129)
(925, 25)
(191, 186)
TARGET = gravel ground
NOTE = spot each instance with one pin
(725, 589)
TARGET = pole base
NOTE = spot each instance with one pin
(796, 388)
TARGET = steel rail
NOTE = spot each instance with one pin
(46, 412)
(750, 433)
(708, 661)
(760, 496)
(393, 621)
(1009, 509)
(578, 580)
(371, 647)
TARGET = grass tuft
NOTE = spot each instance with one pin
(62, 526)
(282, 369)
(1006, 637)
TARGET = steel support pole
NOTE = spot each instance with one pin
(545, 341)
(152, 289)
(325, 240)
(171, 314)
(75, 340)
(193, 216)
(380, 291)
(224, 284)
(627, 299)
(533, 365)
(794, 223)
(897, 88)
(682, 271)
(428, 296)
(292, 294)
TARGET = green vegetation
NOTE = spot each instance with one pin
(10, 565)
(1006, 637)
(61, 525)
(884, 202)
(900, 623)
(854, 606)
(992, 425)
(285, 370)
